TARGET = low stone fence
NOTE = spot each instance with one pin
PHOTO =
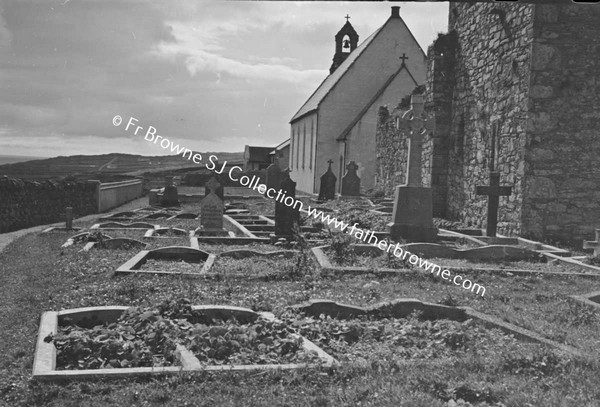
(113, 194)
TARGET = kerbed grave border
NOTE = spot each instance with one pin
(132, 266)
(44, 362)
(327, 266)
(590, 299)
(403, 307)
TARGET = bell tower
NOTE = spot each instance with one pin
(346, 41)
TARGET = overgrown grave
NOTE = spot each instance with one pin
(405, 329)
(170, 338)
(171, 260)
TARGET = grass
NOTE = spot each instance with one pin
(37, 275)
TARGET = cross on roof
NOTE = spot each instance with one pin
(330, 161)
(347, 17)
(494, 191)
(403, 58)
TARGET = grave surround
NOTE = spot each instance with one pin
(44, 365)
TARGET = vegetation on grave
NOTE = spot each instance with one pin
(449, 224)
(171, 266)
(341, 249)
(397, 338)
(147, 337)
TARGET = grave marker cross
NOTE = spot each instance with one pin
(493, 191)
(415, 125)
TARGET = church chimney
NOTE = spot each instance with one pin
(395, 11)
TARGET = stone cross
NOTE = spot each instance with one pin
(69, 218)
(328, 180)
(415, 125)
(403, 58)
(211, 212)
(213, 185)
(347, 17)
(494, 191)
(351, 181)
(595, 244)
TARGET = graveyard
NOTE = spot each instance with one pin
(231, 299)
(421, 232)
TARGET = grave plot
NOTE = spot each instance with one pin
(170, 338)
(174, 260)
(85, 237)
(118, 225)
(126, 216)
(591, 300)
(405, 329)
(158, 215)
(118, 243)
(253, 263)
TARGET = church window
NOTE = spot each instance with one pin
(312, 139)
(304, 146)
(297, 147)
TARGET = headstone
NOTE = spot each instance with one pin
(273, 176)
(170, 195)
(412, 216)
(350, 181)
(286, 215)
(595, 244)
(153, 197)
(327, 187)
(494, 191)
(69, 218)
(215, 186)
(211, 212)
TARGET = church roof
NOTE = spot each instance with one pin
(374, 99)
(330, 81)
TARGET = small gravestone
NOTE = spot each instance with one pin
(412, 216)
(351, 181)
(286, 215)
(327, 187)
(69, 218)
(170, 195)
(493, 191)
(215, 186)
(594, 244)
(211, 213)
(273, 176)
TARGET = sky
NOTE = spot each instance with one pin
(209, 75)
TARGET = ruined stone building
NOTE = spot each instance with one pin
(515, 87)
(339, 120)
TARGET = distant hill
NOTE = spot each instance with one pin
(106, 165)
(10, 159)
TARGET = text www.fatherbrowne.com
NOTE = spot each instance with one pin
(280, 196)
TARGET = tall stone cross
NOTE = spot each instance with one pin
(414, 125)
(494, 191)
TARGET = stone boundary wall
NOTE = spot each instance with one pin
(29, 203)
(113, 194)
(562, 160)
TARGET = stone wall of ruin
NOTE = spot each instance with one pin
(491, 87)
(28, 203)
(562, 189)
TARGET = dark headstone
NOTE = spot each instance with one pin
(211, 212)
(69, 218)
(273, 177)
(327, 188)
(494, 191)
(286, 215)
(214, 185)
(350, 181)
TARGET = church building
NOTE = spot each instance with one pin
(338, 122)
